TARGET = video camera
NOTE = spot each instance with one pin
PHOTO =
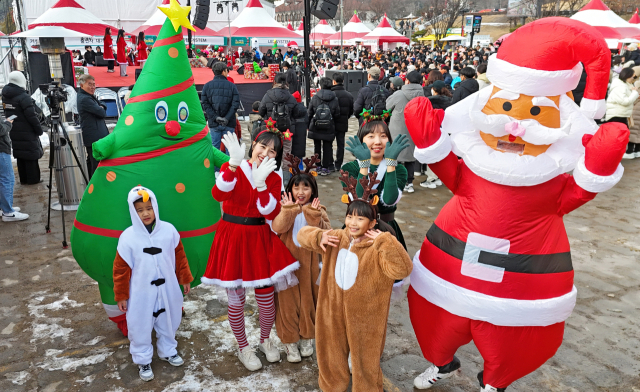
(54, 94)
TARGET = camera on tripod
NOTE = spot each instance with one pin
(54, 96)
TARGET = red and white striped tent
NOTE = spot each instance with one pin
(322, 32)
(385, 33)
(353, 30)
(153, 25)
(300, 29)
(255, 22)
(72, 16)
(635, 19)
(607, 22)
(290, 27)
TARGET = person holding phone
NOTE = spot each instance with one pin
(7, 179)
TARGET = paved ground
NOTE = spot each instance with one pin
(54, 335)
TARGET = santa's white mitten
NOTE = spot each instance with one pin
(423, 122)
(260, 173)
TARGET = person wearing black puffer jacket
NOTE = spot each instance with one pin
(220, 100)
(323, 135)
(345, 101)
(26, 130)
(468, 85)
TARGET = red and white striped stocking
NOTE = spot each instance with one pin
(236, 299)
(267, 309)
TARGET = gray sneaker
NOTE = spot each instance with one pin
(146, 374)
(175, 360)
(14, 217)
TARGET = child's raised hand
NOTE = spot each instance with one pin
(327, 239)
(187, 288)
(373, 234)
(315, 203)
(122, 305)
(287, 199)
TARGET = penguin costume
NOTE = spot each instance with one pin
(149, 267)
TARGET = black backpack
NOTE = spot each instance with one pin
(280, 114)
(322, 118)
(378, 103)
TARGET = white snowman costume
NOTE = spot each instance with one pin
(155, 297)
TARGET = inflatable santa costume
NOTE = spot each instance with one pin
(495, 266)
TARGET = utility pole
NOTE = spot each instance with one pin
(190, 52)
(22, 25)
(341, 27)
(307, 47)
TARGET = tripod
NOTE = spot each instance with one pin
(55, 162)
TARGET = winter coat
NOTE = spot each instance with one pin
(345, 101)
(397, 126)
(620, 100)
(299, 139)
(280, 93)
(634, 56)
(91, 118)
(220, 98)
(447, 78)
(108, 48)
(364, 97)
(466, 88)
(483, 81)
(26, 127)
(328, 97)
(5, 140)
(634, 131)
(440, 101)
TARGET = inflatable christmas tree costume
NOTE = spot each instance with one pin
(161, 142)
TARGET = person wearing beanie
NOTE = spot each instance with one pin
(396, 84)
(26, 130)
(396, 104)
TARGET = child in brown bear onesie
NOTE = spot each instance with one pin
(296, 306)
(359, 268)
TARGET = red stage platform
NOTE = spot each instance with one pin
(201, 75)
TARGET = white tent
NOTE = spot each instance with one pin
(607, 22)
(385, 33)
(321, 32)
(71, 15)
(352, 31)
(255, 22)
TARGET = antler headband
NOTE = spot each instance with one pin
(271, 127)
(368, 116)
(367, 183)
(310, 164)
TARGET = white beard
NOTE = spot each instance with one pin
(509, 168)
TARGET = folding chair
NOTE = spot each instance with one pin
(110, 99)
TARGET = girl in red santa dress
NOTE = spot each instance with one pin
(245, 252)
(142, 50)
(122, 55)
(108, 50)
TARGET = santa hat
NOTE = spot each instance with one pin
(297, 96)
(543, 58)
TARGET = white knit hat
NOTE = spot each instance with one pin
(17, 78)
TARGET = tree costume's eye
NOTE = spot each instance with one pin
(183, 112)
(162, 111)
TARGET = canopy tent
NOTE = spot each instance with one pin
(353, 30)
(255, 22)
(300, 29)
(612, 26)
(203, 37)
(290, 27)
(385, 33)
(72, 16)
(1, 33)
(452, 38)
(321, 32)
(635, 19)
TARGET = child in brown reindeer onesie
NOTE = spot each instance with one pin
(296, 306)
(359, 268)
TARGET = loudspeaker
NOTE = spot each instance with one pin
(324, 9)
(202, 14)
(353, 80)
(137, 74)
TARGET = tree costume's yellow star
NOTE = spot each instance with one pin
(177, 14)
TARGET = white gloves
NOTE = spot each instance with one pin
(260, 173)
(236, 151)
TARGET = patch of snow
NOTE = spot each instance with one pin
(18, 378)
(8, 282)
(94, 341)
(8, 262)
(8, 330)
(87, 380)
(115, 375)
(53, 361)
(46, 327)
(63, 252)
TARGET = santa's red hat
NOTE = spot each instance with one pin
(543, 58)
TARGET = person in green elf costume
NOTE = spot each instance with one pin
(162, 142)
(375, 151)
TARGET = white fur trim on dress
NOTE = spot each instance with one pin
(593, 182)
(592, 108)
(225, 186)
(269, 208)
(495, 310)
(436, 152)
(395, 202)
(281, 280)
(529, 81)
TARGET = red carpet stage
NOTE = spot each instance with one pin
(250, 90)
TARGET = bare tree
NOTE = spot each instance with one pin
(378, 8)
(442, 14)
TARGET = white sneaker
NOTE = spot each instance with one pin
(175, 360)
(249, 359)
(430, 376)
(428, 184)
(636, 154)
(349, 362)
(271, 352)
(416, 174)
(306, 347)
(438, 182)
(629, 155)
(293, 355)
(409, 188)
(488, 388)
(145, 372)
(15, 209)
(16, 216)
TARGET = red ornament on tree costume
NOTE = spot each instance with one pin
(495, 266)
